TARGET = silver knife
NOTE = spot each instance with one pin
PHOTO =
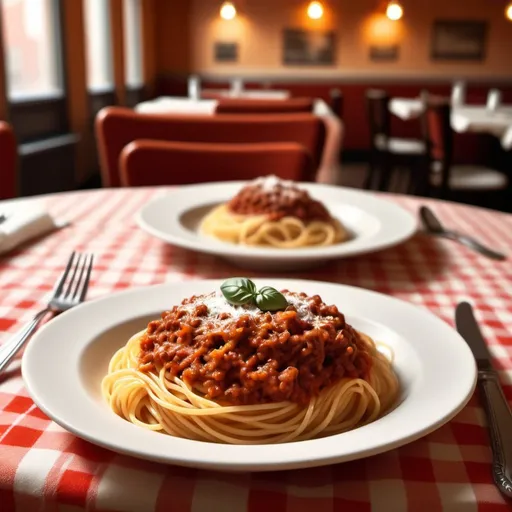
(499, 416)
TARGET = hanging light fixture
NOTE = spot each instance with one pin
(394, 10)
(508, 11)
(227, 11)
(315, 10)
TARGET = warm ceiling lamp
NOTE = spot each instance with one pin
(315, 10)
(508, 11)
(227, 11)
(394, 10)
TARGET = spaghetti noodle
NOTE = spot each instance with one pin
(214, 372)
(276, 213)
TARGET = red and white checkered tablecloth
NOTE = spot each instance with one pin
(42, 467)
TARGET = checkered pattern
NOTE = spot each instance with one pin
(44, 467)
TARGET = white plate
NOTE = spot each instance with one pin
(64, 363)
(374, 223)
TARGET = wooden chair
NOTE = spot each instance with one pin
(116, 127)
(336, 102)
(151, 162)
(8, 161)
(387, 152)
(261, 106)
(443, 178)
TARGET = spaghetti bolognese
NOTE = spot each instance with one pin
(276, 213)
(244, 366)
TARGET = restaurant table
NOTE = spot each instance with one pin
(254, 94)
(464, 118)
(329, 170)
(43, 467)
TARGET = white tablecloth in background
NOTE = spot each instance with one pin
(467, 118)
(272, 94)
(329, 171)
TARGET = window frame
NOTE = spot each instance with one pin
(47, 112)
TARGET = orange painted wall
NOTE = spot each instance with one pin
(258, 30)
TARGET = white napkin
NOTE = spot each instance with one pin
(22, 225)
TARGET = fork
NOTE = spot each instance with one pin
(64, 297)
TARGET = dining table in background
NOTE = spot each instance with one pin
(44, 467)
(329, 170)
(464, 118)
(254, 94)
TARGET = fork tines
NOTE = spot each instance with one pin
(74, 281)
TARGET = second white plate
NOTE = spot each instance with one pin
(374, 223)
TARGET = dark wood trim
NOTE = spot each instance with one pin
(37, 119)
(117, 35)
(47, 166)
(99, 100)
(148, 36)
(4, 104)
(43, 145)
(135, 95)
(268, 77)
(74, 58)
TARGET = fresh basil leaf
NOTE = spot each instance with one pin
(238, 290)
(269, 299)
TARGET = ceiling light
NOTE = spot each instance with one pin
(227, 11)
(315, 10)
(394, 10)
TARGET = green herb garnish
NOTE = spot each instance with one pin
(240, 290)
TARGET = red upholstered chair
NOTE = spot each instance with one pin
(152, 162)
(116, 127)
(261, 106)
(8, 160)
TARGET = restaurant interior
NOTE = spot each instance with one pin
(362, 67)
(255, 255)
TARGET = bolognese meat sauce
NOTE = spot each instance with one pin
(241, 355)
(277, 199)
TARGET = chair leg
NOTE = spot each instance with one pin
(385, 173)
(370, 175)
(419, 183)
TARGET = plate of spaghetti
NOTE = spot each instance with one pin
(269, 223)
(245, 375)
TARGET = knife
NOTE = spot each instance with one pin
(499, 416)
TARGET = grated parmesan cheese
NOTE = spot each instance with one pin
(217, 305)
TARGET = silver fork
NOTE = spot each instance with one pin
(67, 293)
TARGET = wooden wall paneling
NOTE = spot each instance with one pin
(148, 20)
(76, 82)
(4, 104)
(117, 34)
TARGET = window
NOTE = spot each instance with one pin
(33, 54)
(99, 48)
(133, 43)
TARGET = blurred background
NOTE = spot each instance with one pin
(370, 62)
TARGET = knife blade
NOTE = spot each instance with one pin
(499, 416)
(469, 330)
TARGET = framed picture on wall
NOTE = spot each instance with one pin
(459, 40)
(225, 51)
(384, 53)
(308, 47)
